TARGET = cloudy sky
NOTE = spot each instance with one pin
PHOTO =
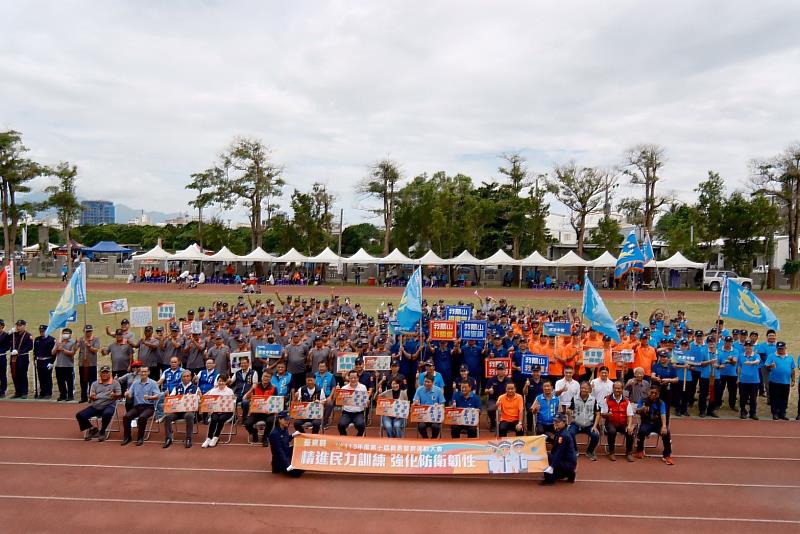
(141, 94)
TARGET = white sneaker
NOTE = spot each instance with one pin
(206, 443)
(213, 442)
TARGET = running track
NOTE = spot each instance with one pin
(730, 475)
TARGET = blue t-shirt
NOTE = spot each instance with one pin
(765, 350)
(749, 374)
(326, 383)
(782, 372)
(706, 370)
(473, 401)
(730, 368)
(473, 360)
(438, 381)
(428, 398)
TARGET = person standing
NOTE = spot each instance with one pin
(296, 356)
(728, 367)
(64, 351)
(5, 348)
(148, 352)
(21, 347)
(221, 355)
(749, 381)
(781, 378)
(88, 348)
(103, 396)
(43, 353)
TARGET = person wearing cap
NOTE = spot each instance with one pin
(88, 347)
(263, 388)
(148, 352)
(728, 368)
(472, 355)
(143, 394)
(644, 355)
(465, 397)
(495, 386)
(563, 457)
(765, 349)
(709, 357)
(533, 387)
(43, 352)
(463, 376)
(749, 381)
(127, 335)
(665, 375)
(195, 351)
(103, 395)
(430, 368)
(297, 360)
(391, 374)
(21, 347)
(429, 395)
(121, 354)
(221, 355)
(618, 413)
(64, 350)
(319, 353)
(172, 345)
(653, 415)
(280, 442)
(781, 378)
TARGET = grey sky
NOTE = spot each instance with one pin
(141, 94)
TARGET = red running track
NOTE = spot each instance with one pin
(731, 475)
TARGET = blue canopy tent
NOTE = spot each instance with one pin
(105, 247)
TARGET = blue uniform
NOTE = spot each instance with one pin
(172, 378)
(547, 409)
(749, 374)
(473, 360)
(782, 372)
(428, 398)
(281, 384)
(206, 380)
(473, 401)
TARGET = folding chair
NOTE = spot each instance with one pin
(115, 425)
(231, 422)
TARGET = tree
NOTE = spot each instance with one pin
(744, 222)
(779, 178)
(632, 210)
(312, 218)
(675, 227)
(64, 200)
(607, 235)
(514, 206)
(710, 201)
(16, 172)
(250, 178)
(382, 182)
(206, 183)
(642, 164)
(579, 189)
(364, 235)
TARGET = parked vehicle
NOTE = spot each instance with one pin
(713, 280)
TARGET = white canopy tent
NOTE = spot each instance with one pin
(676, 261)
(500, 258)
(570, 259)
(536, 260)
(361, 257)
(606, 260)
(156, 253)
(225, 255)
(35, 247)
(465, 258)
(190, 253)
(397, 257)
(291, 257)
(431, 258)
(258, 255)
(326, 256)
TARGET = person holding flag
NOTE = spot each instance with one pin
(6, 288)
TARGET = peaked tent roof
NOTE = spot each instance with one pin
(605, 260)
(191, 253)
(536, 260)
(431, 258)
(361, 257)
(500, 258)
(465, 258)
(291, 257)
(397, 257)
(677, 261)
(326, 256)
(571, 259)
(224, 254)
(36, 247)
(258, 255)
(107, 247)
(155, 253)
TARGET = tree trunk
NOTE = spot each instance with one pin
(200, 226)
(69, 251)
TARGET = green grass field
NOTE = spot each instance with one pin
(34, 305)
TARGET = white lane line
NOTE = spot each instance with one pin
(349, 508)
(455, 477)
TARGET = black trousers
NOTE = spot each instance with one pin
(357, 418)
(45, 377)
(216, 422)
(559, 473)
(88, 375)
(20, 374)
(686, 394)
(3, 374)
(253, 418)
(703, 401)
(172, 417)
(106, 414)
(436, 429)
(779, 398)
(748, 395)
(457, 430)
(507, 426)
(140, 412)
(611, 436)
(723, 383)
(315, 425)
(155, 372)
(645, 430)
(65, 378)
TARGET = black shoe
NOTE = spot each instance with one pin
(754, 417)
(254, 438)
(82, 401)
(797, 418)
(703, 416)
(70, 399)
(125, 441)
(783, 418)
(774, 417)
(16, 396)
(91, 434)
(742, 415)
(713, 414)
(188, 443)
(60, 399)
(571, 478)
(102, 437)
(167, 443)
(140, 442)
(265, 443)
(545, 483)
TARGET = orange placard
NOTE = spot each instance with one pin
(217, 404)
(181, 403)
(443, 331)
(492, 363)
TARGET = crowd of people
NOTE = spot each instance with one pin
(671, 370)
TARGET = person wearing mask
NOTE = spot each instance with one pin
(143, 393)
(465, 397)
(64, 351)
(184, 387)
(217, 420)
(585, 413)
(394, 427)
(653, 414)
(618, 413)
(103, 396)
(264, 388)
(43, 352)
(88, 347)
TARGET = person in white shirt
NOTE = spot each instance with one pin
(567, 388)
(602, 386)
(352, 414)
(309, 393)
(218, 419)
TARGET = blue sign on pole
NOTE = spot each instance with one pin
(458, 313)
(557, 329)
(73, 318)
(395, 329)
(472, 330)
(529, 360)
(272, 351)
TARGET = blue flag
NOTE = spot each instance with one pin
(74, 294)
(630, 257)
(739, 303)
(409, 311)
(595, 311)
(647, 248)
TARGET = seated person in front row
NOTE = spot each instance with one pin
(185, 387)
(309, 393)
(103, 396)
(218, 419)
(263, 389)
(143, 393)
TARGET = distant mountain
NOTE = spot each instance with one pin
(123, 212)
